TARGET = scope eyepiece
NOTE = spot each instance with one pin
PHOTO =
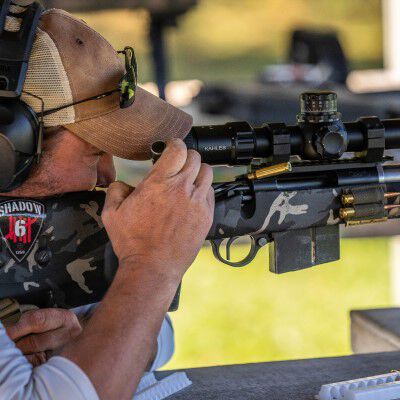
(235, 143)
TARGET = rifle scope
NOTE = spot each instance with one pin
(319, 135)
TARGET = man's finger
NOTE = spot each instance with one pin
(192, 166)
(40, 321)
(211, 197)
(172, 159)
(52, 340)
(116, 194)
(204, 180)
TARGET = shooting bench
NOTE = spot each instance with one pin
(371, 331)
(283, 380)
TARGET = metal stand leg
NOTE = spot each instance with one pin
(157, 29)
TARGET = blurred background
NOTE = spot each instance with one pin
(232, 40)
(250, 59)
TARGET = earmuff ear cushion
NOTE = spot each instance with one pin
(7, 162)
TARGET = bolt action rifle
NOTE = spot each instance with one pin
(303, 182)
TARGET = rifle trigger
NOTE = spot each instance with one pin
(256, 244)
(228, 246)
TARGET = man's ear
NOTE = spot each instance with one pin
(53, 137)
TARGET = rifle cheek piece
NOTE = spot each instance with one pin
(55, 251)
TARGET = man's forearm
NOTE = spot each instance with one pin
(118, 341)
(84, 317)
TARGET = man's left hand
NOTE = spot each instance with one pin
(41, 331)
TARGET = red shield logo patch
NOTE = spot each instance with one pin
(21, 222)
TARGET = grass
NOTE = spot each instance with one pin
(250, 315)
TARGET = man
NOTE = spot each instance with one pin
(108, 354)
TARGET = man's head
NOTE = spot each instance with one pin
(69, 64)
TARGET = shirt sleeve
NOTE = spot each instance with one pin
(58, 379)
(165, 344)
(165, 339)
(85, 312)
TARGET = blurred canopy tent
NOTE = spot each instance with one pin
(161, 8)
(315, 47)
(163, 13)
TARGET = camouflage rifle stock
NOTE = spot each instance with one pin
(300, 214)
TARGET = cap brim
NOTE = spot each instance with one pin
(129, 133)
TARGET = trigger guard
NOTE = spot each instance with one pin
(216, 245)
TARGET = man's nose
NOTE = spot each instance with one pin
(106, 170)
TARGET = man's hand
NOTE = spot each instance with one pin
(41, 331)
(162, 224)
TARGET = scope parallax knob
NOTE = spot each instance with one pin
(331, 142)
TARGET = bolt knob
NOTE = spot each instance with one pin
(43, 257)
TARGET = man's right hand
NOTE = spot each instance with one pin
(163, 223)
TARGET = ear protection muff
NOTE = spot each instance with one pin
(20, 142)
(20, 127)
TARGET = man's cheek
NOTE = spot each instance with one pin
(82, 177)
